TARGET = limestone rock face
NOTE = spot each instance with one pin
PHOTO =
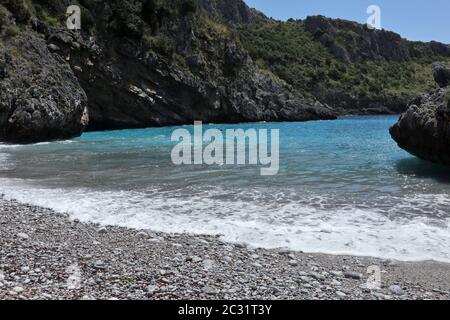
(138, 71)
(424, 130)
(148, 63)
(40, 97)
(364, 43)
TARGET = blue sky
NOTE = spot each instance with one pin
(423, 20)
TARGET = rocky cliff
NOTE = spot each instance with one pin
(354, 42)
(354, 69)
(139, 63)
(424, 130)
(40, 98)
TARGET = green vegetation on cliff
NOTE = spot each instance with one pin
(297, 56)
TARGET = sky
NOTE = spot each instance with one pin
(422, 20)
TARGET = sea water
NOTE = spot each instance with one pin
(344, 187)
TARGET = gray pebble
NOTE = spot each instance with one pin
(23, 236)
(25, 269)
(293, 263)
(152, 289)
(338, 274)
(210, 291)
(142, 234)
(396, 290)
(17, 289)
(102, 230)
(353, 275)
(208, 264)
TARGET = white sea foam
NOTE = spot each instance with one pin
(299, 226)
(3, 161)
(9, 146)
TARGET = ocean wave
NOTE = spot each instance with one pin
(5, 146)
(3, 161)
(295, 225)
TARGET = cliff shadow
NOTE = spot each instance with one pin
(423, 169)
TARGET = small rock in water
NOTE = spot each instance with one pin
(395, 289)
(353, 275)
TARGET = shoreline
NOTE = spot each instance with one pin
(45, 255)
(181, 125)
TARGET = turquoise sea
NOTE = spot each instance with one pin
(344, 187)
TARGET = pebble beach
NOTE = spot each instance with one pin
(45, 255)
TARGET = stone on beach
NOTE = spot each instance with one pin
(396, 290)
(353, 275)
(102, 230)
(23, 236)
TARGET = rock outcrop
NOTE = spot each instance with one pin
(40, 97)
(441, 74)
(134, 84)
(232, 12)
(424, 130)
(353, 42)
